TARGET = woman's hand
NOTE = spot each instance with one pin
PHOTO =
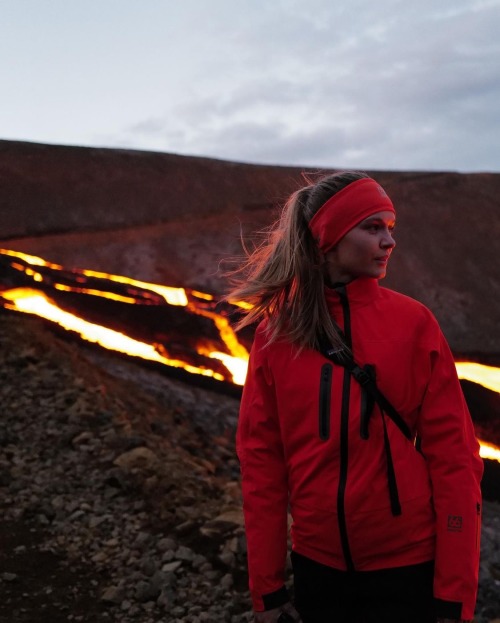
(273, 616)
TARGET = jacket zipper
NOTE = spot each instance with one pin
(344, 439)
(325, 390)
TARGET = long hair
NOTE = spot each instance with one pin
(283, 279)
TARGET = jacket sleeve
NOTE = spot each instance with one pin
(264, 483)
(451, 450)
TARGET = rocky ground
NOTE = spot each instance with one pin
(119, 495)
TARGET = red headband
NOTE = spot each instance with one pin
(355, 202)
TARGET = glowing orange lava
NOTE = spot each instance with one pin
(236, 360)
(173, 296)
(489, 451)
(487, 376)
(33, 301)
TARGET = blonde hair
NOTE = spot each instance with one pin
(283, 279)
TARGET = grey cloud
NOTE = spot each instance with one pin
(148, 126)
(376, 87)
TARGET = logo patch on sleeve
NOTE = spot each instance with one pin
(454, 523)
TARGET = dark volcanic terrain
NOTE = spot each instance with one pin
(119, 495)
(119, 492)
(173, 219)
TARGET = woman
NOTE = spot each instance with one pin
(382, 531)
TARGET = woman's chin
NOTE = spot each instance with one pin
(379, 274)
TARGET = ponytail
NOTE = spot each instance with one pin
(283, 279)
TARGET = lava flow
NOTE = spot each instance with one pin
(48, 290)
(487, 376)
(198, 337)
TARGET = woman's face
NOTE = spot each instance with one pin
(364, 251)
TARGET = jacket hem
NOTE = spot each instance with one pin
(413, 557)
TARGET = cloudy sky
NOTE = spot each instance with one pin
(392, 84)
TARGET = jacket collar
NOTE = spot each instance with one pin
(361, 291)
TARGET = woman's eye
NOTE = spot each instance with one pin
(377, 227)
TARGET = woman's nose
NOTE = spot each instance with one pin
(387, 241)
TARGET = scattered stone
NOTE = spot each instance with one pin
(228, 559)
(148, 590)
(178, 611)
(135, 503)
(227, 581)
(113, 595)
(185, 527)
(172, 566)
(138, 458)
(223, 524)
(166, 544)
(184, 553)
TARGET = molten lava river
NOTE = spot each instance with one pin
(177, 327)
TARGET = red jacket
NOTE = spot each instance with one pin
(300, 447)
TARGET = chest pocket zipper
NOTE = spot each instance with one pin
(325, 389)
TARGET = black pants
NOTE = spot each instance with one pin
(325, 595)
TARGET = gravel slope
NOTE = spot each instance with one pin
(119, 495)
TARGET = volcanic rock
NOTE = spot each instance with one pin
(173, 219)
(73, 539)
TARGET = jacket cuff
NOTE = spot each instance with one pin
(448, 609)
(276, 598)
